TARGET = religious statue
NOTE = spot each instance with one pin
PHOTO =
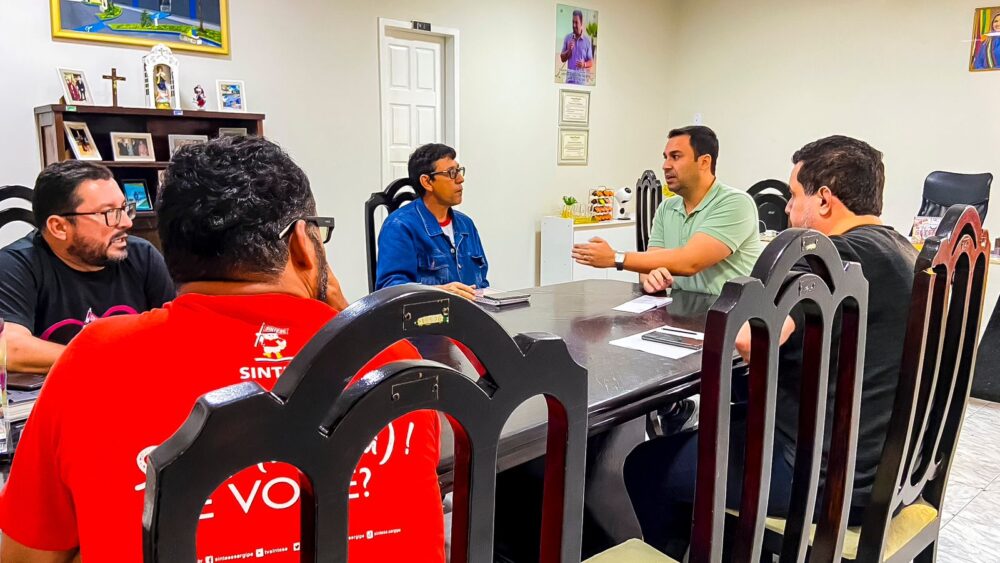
(161, 73)
(199, 97)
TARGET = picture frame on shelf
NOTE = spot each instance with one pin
(132, 147)
(80, 141)
(574, 108)
(76, 89)
(177, 141)
(233, 132)
(137, 191)
(161, 71)
(231, 95)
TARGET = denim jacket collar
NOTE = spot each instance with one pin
(433, 228)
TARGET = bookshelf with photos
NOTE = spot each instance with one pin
(156, 125)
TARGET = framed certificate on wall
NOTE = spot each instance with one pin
(574, 146)
(574, 108)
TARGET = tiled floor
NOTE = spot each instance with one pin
(970, 530)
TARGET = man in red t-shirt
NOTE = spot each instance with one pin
(236, 217)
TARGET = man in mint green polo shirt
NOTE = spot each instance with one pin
(699, 240)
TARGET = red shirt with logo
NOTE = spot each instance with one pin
(125, 384)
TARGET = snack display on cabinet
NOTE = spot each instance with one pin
(602, 204)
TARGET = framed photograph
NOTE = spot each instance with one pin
(985, 53)
(136, 190)
(574, 108)
(178, 141)
(160, 70)
(76, 90)
(233, 131)
(81, 141)
(232, 95)
(576, 45)
(201, 26)
(574, 146)
(133, 147)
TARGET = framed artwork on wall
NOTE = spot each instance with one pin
(188, 25)
(985, 40)
(576, 45)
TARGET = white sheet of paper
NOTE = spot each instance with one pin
(643, 304)
(635, 342)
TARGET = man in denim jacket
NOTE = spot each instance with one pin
(427, 241)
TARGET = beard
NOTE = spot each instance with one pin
(323, 279)
(96, 253)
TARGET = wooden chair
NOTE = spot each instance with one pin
(395, 195)
(648, 195)
(764, 300)
(771, 197)
(903, 518)
(936, 374)
(16, 214)
(312, 422)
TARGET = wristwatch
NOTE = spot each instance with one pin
(619, 261)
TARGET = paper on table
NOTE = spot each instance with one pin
(635, 342)
(643, 304)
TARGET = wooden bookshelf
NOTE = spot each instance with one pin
(104, 120)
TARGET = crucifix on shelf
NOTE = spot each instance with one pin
(114, 78)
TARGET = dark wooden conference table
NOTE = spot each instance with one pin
(624, 384)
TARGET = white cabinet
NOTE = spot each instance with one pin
(558, 237)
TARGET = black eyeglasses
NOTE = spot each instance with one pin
(324, 224)
(112, 217)
(451, 172)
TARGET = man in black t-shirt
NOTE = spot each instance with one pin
(836, 189)
(77, 266)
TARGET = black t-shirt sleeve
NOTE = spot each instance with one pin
(159, 286)
(18, 290)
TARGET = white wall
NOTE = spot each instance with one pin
(313, 69)
(772, 75)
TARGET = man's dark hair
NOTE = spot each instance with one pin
(55, 187)
(578, 14)
(422, 162)
(852, 169)
(222, 206)
(703, 141)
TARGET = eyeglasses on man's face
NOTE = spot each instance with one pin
(324, 224)
(112, 217)
(452, 172)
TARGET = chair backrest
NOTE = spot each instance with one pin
(765, 300)
(16, 214)
(310, 421)
(648, 195)
(771, 198)
(944, 189)
(935, 374)
(395, 195)
(986, 383)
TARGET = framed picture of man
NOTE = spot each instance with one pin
(576, 45)
(985, 53)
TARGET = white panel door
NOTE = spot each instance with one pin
(412, 98)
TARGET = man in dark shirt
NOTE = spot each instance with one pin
(77, 266)
(836, 189)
